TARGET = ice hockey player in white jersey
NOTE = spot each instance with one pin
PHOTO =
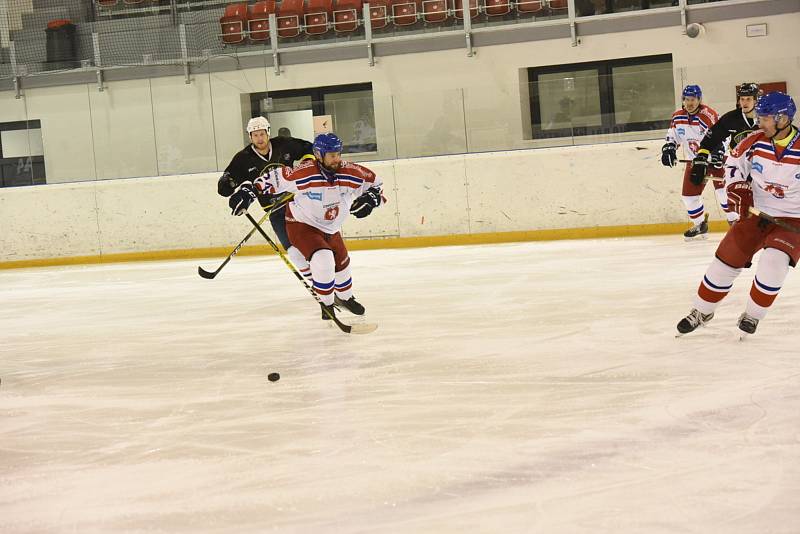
(325, 191)
(762, 171)
(687, 128)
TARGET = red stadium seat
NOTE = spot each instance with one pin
(290, 13)
(557, 4)
(346, 14)
(379, 13)
(434, 11)
(106, 3)
(317, 16)
(530, 6)
(258, 20)
(405, 12)
(459, 12)
(233, 23)
(496, 8)
(132, 2)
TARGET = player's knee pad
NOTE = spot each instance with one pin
(773, 266)
(322, 274)
(297, 258)
(721, 274)
(322, 264)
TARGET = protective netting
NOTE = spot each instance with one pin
(49, 35)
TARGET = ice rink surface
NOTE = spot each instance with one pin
(532, 387)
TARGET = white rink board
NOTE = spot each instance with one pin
(567, 187)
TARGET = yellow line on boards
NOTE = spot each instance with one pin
(380, 243)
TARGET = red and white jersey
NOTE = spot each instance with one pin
(775, 172)
(687, 130)
(320, 201)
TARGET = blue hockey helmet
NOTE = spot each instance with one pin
(327, 142)
(775, 104)
(692, 90)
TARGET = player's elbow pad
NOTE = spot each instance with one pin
(226, 185)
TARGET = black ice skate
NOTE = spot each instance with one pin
(747, 325)
(350, 305)
(328, 312)
(693, 320)
(698, 231)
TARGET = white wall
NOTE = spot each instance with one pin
(568, 187)
(164, 126)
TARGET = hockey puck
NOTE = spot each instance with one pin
(273, 377)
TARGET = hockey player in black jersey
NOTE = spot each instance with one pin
(735, 124)
(262, 154)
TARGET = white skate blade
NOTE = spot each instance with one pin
(744, 335)
(701, 237)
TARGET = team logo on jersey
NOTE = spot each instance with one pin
(739, 136)
(776, 190)
(758, 167)
(682, 131)
(797, 176)
(313, 196)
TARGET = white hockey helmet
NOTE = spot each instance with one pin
(258, 123)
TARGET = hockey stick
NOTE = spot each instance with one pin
(346, 328)
(209, 275)
(767, 217)
(707, 178)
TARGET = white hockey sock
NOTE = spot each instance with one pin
(344, 284)
(296, 257)
(773, 266)
(716, 284)
(322, 267)
(694, 208)
(722, 198)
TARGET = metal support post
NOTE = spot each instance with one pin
(184, 54)
(368, 33)
(573, 32)
(467, 13)
(98, 62)
(12, 50)
(273, 43)
(173, 12)
(682, 6)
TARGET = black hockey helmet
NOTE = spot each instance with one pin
(748, 89)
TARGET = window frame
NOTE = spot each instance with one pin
(317, 95)
(608, 124)
(34, 162)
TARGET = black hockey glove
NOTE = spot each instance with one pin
(242, 198)
(717, 159)
(226, 185)
(699, 167)
(363, 205)
(669, 156)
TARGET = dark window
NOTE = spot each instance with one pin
(21, 154)
(599, 7)
(350, 108)
(603, 97)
